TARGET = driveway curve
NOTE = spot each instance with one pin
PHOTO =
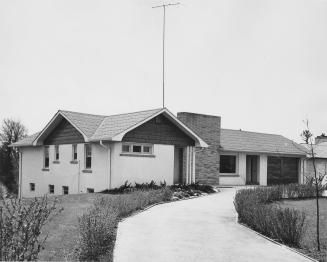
(200, 229)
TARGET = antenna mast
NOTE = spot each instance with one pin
(163, 6)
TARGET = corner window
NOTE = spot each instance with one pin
(74, 152)
(51, 189)
(46, 157)
(88, 156)
(56, 152)
(227, 164)
(32, 187)
(65, 190)
(137, 148)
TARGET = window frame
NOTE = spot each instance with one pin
(74, 147)
(49, 187)
(32, 187)
(85, 156)
(46, 149)
(235, 166)
(63, 190)
(56, 153)
(142, 145)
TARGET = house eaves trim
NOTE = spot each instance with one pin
(261, 152)
(199, 141)
(59, 113)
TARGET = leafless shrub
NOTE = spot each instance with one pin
(21, 222)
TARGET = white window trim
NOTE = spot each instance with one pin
(85, 156)
(46, 167)
(236, 164)
(137, 153)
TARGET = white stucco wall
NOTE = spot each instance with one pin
(132, 168)
(63, 173)
(143, 169)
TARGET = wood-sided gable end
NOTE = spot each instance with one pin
(159, 130)
(63, 133)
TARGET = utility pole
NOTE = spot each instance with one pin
(163, 6)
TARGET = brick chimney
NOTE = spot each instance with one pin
(206, 159)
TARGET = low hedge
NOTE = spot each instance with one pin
(285, 225)
(97, 227)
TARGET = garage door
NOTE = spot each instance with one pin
(282, 170)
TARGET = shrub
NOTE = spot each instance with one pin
(20, 227)
(283, 225)
(97, 226)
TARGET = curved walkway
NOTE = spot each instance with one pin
(200, 229)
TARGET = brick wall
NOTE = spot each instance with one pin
(207, 159)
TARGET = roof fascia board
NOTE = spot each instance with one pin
(199, 141)
(36, 140)
(261, 152)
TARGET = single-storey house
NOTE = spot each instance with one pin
(77, 152)
(236, 157)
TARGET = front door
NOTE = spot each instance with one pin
(251, 170)
(178, 165)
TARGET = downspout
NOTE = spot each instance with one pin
(20, 174)
(109, 159)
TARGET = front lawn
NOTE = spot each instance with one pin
(309, 237)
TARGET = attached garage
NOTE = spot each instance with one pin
(282, 170)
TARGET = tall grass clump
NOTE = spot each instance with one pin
(97, 227)
(21, 222)
(284, 225)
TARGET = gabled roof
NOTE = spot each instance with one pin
(319, 150)
(109, 128)
(245, 141)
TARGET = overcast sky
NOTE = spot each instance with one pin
(261, 65)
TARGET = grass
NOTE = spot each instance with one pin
(309, 239)
(63, 229)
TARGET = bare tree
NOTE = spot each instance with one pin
(317, 180)
(11, 131)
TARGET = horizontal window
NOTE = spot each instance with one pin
(228, 164)
(137, 149)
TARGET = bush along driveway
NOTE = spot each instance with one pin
(97, 226)
(200, 229)
(260, 209)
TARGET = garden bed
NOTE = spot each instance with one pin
(92, 236)
(265, 210)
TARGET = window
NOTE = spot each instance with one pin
(147, 149)
(137, 149)
(56, 152)
(227, 164)
(74, 152)
(65, 190)
(51, 189)
(90, 190)
(46, 157)
(32, 187)
(88, 156)
(126, 148)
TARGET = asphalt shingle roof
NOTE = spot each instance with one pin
(97, 127)
(245, 141)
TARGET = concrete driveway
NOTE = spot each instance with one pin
(200, 229)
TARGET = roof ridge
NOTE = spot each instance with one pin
(105, 116)
(156, 109)
(254, 132)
